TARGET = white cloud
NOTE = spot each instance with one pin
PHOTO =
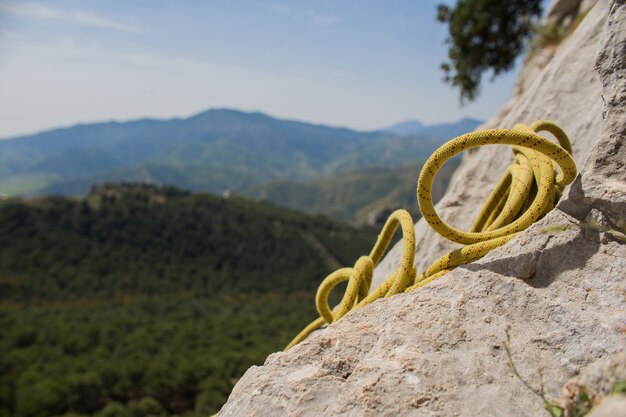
(312, 16)
(40, 11)
(281, 9)
(322, 19)
(7, 34)
(91, 19)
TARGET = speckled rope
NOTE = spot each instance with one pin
(528, 189)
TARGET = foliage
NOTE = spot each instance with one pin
(619, 387)
(141, 301)
(146, 356)
(356, 197)
(484, 35)
(147, 240)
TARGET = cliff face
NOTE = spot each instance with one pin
(438, 351)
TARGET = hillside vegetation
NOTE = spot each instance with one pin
(363, 196)
(146, 301)
(153, 240)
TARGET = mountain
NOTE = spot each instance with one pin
(364, 196)
(212, 151)
(151, 301)
(444, 131)
(410, 127)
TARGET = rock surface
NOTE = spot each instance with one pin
(594, 387)
(614, 406)
(559, 286)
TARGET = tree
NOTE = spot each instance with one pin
(484, 35)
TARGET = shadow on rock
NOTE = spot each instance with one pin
(539, 267)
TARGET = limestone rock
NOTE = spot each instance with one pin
(562, 9)
(593, 389)
(613, 406)
(601, 376)
(559, 286)
(567, 90)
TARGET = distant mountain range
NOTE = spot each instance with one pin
(441, 130)
(215, 150)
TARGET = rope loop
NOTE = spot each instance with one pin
(537, 151)
(528, 189)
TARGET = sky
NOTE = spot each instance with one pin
(361, 64)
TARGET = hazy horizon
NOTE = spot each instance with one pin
(360, 65)
(104, 121)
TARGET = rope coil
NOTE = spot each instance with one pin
(529, 188)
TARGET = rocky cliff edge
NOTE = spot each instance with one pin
(558, 287)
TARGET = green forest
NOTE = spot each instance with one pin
(363, 196)
(139, 300)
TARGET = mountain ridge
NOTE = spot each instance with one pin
(214, 150)
(446, 129)
(225, 110)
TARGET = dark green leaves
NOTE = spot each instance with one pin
(484, 35)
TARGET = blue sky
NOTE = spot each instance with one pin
(355, 63)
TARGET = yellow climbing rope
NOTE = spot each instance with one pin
(529, 188)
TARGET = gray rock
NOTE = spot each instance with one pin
(586, 5)
(559, 286)
(596, 382)
(600, 377)
(561, 9)
(566, 90)
(613, 406)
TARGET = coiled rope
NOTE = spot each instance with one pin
(529, 189)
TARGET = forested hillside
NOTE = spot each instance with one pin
(365, 196)
(147, 301)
